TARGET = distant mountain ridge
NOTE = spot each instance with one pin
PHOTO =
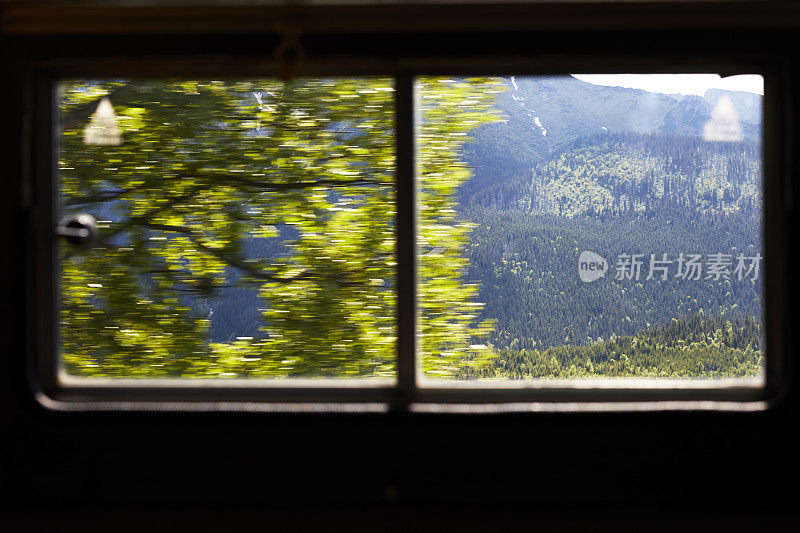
(748, 105)
(541, 114)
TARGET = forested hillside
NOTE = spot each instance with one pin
(626, 188)
(527, 266)
(613, 173)
(694, 347)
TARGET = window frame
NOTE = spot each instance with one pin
(636, 468)
(407, 394)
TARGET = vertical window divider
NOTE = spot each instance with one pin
(406, 232)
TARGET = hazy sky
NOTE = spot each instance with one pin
(679, 83)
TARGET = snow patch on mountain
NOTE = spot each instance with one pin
(539, 123)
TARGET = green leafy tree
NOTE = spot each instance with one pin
(449, 110)
(305, 167)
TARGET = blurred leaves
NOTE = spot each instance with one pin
(205, 166)
(449, 109)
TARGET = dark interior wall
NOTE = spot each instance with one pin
(396, 471)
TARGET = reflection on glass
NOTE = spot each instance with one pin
(246, 228)
(598, 231)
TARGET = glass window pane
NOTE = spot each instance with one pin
(590, 227)
(245, 228)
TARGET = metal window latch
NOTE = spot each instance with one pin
(78, 229)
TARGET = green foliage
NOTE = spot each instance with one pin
(694, 347)
(449, 109)
(207, 166)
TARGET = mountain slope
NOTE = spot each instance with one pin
(542, 114)
(612, 173)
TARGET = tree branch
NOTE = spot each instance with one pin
(241, 265)
(82, 200)
(227, 259)
(300, 184)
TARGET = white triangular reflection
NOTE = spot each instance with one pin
(102, 128)
(724, 125)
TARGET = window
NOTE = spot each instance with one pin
(245, 229)
(612, 232)
(569, 235)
